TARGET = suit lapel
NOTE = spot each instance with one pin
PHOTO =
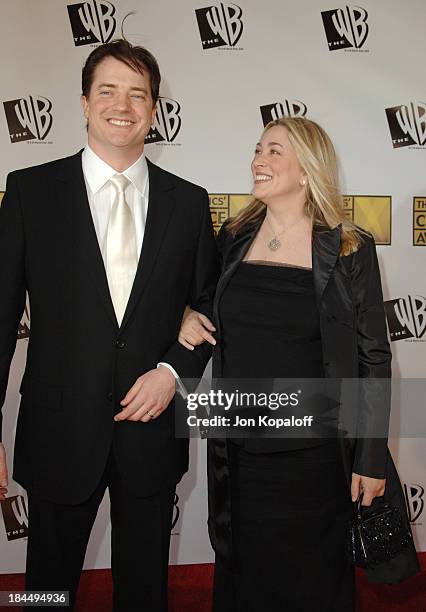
(325, 251)
(160, 207)
(72, 187)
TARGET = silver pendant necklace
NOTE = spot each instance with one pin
(274, 244)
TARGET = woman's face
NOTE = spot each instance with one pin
(275, 167)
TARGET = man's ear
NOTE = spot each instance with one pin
(154, 110)
(85, 105)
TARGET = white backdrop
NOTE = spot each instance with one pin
(221, 63)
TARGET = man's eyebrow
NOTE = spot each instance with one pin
(113, 86)
(139, 89)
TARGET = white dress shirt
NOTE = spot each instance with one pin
(101, 195)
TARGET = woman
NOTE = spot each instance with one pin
(299, 297)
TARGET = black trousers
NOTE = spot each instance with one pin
(58, 536)
(290, 517)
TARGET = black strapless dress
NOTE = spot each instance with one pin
(271, 330)
(290, 506)
(270, 323)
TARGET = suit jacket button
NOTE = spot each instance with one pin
(109, 396)
(120, 344)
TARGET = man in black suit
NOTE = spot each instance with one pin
(110, 249)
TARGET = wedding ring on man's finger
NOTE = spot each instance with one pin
(151, 416)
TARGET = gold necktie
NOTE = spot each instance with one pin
(121, 252)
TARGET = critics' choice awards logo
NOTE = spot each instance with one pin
(220, 25)
(15, 516)
(287, 108)
(224, 205)
(419, 221)
(167, 122)
(92, 22)
(407, 318)
(373, 213)
(28, 118)
(407, 124)
(415, 503)
(346, 28)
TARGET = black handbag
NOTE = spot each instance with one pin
(377, 536)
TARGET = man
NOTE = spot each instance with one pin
(110, 249)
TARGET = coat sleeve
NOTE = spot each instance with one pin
(12, 279)
(191, 364)
(374, 359)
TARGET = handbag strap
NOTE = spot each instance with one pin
(358, 506)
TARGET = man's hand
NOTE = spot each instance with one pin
(149, 396)
(195, 329)
(4, 480)
(369, 487)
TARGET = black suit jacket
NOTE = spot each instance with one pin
(355, 346)
(80, 363)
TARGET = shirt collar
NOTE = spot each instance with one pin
(97, 172)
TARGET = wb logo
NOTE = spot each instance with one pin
(92, 22)
(15, 515)
(176, 512)
(28, 118)
(288, 108)
(345, 28)
(167, 122)
(407, 124)
(415, 502)
(406, 317)
(220, 25)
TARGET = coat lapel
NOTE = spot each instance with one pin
(72, 187)
(160, 207)
(325, 251)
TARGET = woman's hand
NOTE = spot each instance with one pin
(369, 487)
(195, 329)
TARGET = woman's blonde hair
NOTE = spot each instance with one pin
(324, 201)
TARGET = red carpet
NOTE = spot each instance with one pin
(190, 591)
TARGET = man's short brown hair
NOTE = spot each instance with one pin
(135, 57)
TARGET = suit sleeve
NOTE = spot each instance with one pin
(12, 279)
(191, 364)
(374, 359)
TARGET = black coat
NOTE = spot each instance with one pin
(355, 345)
(80, 363)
